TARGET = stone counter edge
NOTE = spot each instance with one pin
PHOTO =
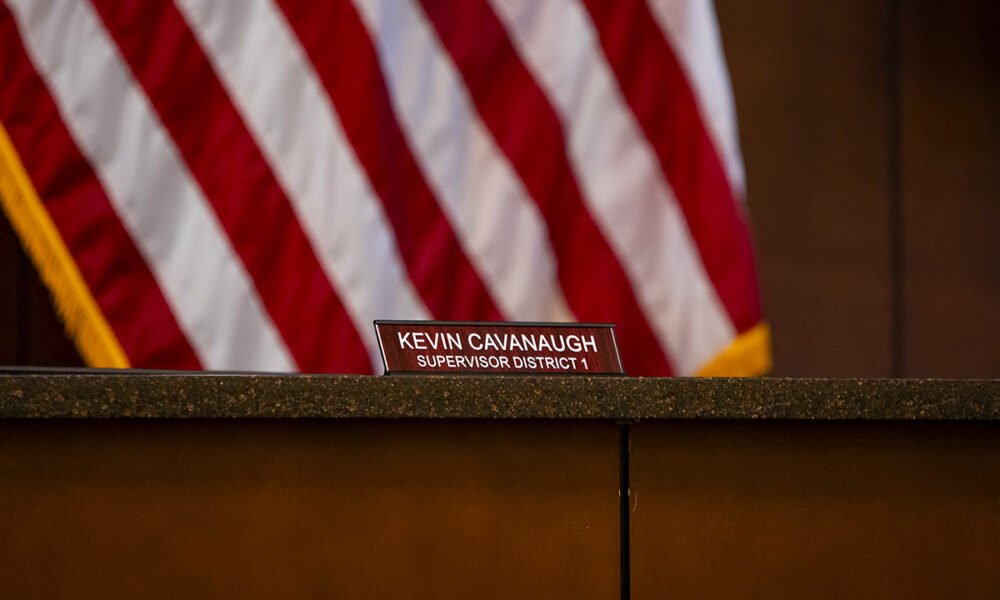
(130, 395)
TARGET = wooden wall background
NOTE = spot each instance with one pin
(871, 137)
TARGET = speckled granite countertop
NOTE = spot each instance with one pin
(169, 395)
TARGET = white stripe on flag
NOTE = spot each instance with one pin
(493, 216)
(263, 67)
(618, 171)
(691, 29)
(150, 188)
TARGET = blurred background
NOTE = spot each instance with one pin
(871, 140)
(871, 135)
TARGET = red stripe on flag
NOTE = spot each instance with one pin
(528, 130)
(657, 90)
(343, 56)
(118, 277)
(226, 162)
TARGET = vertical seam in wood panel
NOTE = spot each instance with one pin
(21, 309)
(624, 495)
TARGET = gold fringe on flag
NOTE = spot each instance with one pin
(74, 303)
(749, 355)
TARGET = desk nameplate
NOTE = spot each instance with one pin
(462, 347)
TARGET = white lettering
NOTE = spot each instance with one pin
(491, 342)
(477, 343)
(515, 343)
(419, 343)
(530, 342)
(404, 340)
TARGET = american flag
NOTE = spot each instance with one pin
(248, 184)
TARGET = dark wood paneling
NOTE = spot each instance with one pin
(44, 339)
(10, 292)
(30, 331)
(359, 509)
(951, 178)
(810, 84)
(815, 510)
